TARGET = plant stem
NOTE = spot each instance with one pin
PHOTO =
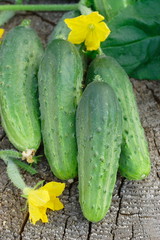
(12, 169)
(84, 10)
(40, 7)
(100, 52)
(6, 154)
(86, 3)
(14, 175)
(19, 1)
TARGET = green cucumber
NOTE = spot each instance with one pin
(99, 136)
(60, 87)
(134, 160)
(20, 55)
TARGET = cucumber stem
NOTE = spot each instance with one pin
(14, 175)
(100, 52)
(86, 3)
(12, 169)
(26, 23)
(6, 154)
(84, 10)
(39, 7)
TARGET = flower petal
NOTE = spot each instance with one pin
(38, 197)
(94, 17)
(58, 204)
(36, 213)
(75, 23)
(77, 37)
(1, 32)
(103, 31)
(54, 204)
(44, 217)
(54, 188)
(92, 41)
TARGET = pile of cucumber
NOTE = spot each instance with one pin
(91, 133)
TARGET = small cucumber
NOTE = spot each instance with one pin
(60, 87)
(20, 55)
(134, 160)
(99, 136)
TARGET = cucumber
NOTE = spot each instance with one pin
(99, 136)
(60, 87)
(20, 55)
(134, 160)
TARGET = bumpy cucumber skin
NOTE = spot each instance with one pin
(60, 88)
(99, 136)
(134, 160)
(20, 55)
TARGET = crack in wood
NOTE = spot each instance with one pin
(2, 137)
(158, 151)
(44, 19)
(157, 100)
(134, 87)
(132, 237)
(23, 225)
(120, 201)
(69, 188)
(128, 214)
(113, 234)
(120, 187)
(118, 212)
(119, 207)
(89, 230)
(65, 227)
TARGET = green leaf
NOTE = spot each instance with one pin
(24, 196)
(135, 39)
(146, 70)
(7, 154)
(25, 166)
(110, 8)
(5, 16)
(40, 183)
(37, 159)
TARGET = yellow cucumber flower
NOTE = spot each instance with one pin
(41, 199)
(88, 29)
(1, 32)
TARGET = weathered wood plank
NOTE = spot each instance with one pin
(135, 209)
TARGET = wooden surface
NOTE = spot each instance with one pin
(135, 209)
